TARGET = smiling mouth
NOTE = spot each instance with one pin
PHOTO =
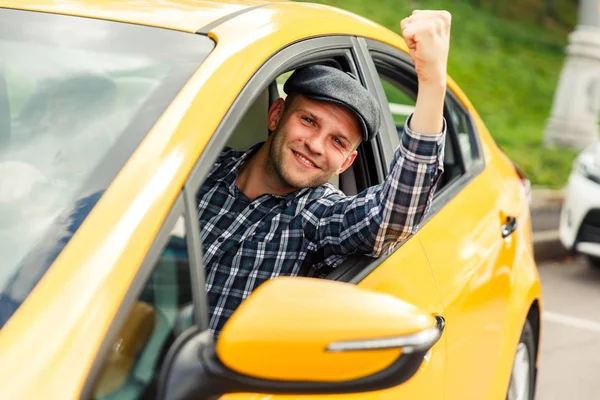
(304, 160)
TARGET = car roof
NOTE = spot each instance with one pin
(182, 15)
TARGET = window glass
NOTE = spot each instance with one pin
(401, 102)
(72, 107)
(459, 120)
(162, 311)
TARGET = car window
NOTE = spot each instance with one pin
(161, 312)
(401, 101)
(459, 120)
(73, 108)
(401, 91)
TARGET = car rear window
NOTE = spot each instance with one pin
(77, 96)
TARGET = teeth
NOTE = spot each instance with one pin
(307, 162)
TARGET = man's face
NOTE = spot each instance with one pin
(312, 141)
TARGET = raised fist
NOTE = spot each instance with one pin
(427, 35)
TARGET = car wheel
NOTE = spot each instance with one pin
(594, 261)
(522, 380)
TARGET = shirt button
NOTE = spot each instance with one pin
(220, 240)
(251, 206)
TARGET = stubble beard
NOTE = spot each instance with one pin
(276, 166)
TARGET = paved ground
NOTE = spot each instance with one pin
(570, 356)
(545, 220)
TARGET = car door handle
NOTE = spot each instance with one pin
(508, 228)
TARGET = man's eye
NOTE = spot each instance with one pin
(308, 120)
(340, 143)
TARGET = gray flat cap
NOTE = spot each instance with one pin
(321, 82)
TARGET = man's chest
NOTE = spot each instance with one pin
(265, 227)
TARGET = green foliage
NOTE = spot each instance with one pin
(507, 57)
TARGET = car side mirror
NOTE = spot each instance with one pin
(303, 336)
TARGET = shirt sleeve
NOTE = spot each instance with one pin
(374, 221)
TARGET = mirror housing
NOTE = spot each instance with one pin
(304, 336)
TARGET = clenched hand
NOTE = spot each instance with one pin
(427, 34)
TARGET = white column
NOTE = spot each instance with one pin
(574, 118)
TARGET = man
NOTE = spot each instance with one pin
(270, 212)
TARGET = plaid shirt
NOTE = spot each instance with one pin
(311, 230)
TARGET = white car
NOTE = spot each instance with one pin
(580, 215)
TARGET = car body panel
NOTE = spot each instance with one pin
(61, 326)
(484, 280)
(469, 261)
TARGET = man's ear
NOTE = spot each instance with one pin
(348, 162)
(275, 113)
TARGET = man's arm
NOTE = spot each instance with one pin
(427, 35)
(376, 220)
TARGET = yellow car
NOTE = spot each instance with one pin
(112, 113)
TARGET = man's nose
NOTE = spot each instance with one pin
(316, 143)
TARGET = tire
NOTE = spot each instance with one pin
(594, 261)
(522, 379)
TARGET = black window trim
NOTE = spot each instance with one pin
(387, 139)
(201, 315)
(160, 241)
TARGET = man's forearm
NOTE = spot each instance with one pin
(429, 109)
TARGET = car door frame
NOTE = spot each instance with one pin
(479, 165)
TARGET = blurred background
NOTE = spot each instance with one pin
(536, 85)
(507, 56)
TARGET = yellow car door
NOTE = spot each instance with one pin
(476, 236)
(406, 274)
(472, 259)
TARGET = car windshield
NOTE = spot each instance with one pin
(77, 96)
